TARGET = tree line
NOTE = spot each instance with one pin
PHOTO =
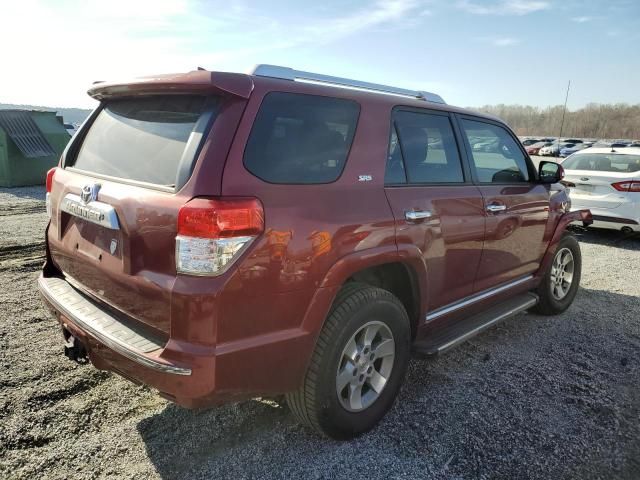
(592, 121)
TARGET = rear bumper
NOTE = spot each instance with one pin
(190, 374)
(613, 218)
(105, 327)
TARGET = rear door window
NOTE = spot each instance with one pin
(423, 149)
(301, 139)
(145, 139)
(496, 156)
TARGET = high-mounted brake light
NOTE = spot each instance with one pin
(212, 233)
(49, 184)
(627, 186)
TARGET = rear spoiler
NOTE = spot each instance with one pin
(198, 81)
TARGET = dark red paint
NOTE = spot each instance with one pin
(252, 330)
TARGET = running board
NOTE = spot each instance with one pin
(463, 330)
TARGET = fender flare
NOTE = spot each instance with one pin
(408, 255)
(583, 216)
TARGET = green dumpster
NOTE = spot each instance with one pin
(31, 142)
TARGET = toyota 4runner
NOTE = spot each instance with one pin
(222, 236)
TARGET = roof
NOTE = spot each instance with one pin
(22, 129)
(239, 84)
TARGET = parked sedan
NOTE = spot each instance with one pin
(530, 141)
(491, 145)
(553, 150)
(535, 148)
(565, 152)
(607, 183)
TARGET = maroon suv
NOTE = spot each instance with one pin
(223, 236)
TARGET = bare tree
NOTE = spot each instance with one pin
(592, 121)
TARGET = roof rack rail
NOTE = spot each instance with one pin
(287, 73)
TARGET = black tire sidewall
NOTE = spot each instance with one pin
(332, 416)
(570, 242)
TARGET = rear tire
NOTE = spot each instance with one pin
(365, 337)
(560, 284)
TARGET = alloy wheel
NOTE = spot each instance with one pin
(562, 273)
(365, 366)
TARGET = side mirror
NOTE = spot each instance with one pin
(550, 172)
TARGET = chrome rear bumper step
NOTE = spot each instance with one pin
(463, 330)
(118, 334)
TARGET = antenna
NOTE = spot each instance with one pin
(563, 113)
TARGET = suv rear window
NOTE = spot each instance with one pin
(301, 139)
(145, 139)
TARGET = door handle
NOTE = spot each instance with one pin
(416, 215)
(496, 207)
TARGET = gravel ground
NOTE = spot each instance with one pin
(535, 397)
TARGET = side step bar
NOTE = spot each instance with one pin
(463, 330)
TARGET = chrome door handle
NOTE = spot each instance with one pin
(495, 208)
(416, 215)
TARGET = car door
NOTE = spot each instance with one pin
(516, 206)
(435, 205)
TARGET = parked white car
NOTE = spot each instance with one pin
(607, 182)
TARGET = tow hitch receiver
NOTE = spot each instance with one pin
(73, 349)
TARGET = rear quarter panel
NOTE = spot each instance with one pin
(308, 228)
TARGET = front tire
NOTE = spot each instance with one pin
(560, 284)
(358, 364)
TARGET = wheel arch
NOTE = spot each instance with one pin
(583, 216)
(399, 269)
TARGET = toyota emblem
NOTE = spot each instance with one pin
(89, 192)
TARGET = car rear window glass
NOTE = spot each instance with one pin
(301, 139)
(603, 162)
(141, 139)
(427, 151)
(497, 157)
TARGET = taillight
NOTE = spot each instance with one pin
(49, 183)
(627, 186)
(212, 233)
(49, 180)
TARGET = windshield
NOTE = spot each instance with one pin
(142, 139)
(603, 162)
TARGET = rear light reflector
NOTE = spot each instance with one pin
(49, 183)
(212, 233)
(627, 186)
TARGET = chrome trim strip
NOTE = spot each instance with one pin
(95, 212)
(108, 340)
(126, 181)
(467, 335)
(475, 298)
